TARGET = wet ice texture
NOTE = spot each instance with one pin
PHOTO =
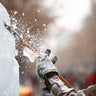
(8, 64)
(4, 15)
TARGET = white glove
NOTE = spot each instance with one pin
(45, 65)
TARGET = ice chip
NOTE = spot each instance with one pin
(30, 54)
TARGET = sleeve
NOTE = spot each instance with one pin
(57, 88)
(90, 91)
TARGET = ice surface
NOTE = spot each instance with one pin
(4, 15)
(8, 65)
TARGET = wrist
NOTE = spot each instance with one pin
(56, 86)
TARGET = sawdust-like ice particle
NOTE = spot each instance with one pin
(23, 14)
(22, 72)
(38, 10)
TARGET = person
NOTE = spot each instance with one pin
(9, 69)
(55, 86)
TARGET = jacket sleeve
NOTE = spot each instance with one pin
(58, 88)
(90, 91)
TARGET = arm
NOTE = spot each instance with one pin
(55, 84)
(48, 71)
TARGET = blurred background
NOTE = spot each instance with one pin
(67, 27)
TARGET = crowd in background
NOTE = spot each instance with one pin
(80, 80)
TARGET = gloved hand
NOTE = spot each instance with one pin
(46, 65)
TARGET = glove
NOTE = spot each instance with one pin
(46, 65)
